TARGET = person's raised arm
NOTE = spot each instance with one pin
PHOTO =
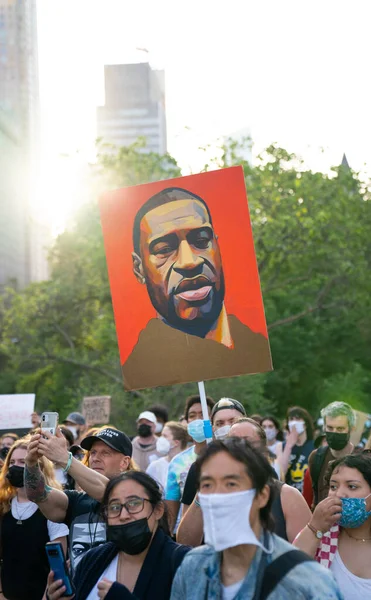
(54, 447)
(284, 458)
(52, 503)
(325, 515)
(191, 527)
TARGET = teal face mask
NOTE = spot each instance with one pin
(196, 430)
(354, 512)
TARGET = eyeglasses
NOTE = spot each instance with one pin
(132, 506)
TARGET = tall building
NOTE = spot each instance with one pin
(19, 127)
(13, 207)
(19, 89)
(134, 107)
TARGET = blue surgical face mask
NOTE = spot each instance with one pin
(354, 512)
(196, 430)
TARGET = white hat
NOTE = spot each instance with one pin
(147, 414)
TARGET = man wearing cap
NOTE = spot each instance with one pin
(144, 444)
(76, 423)
(225, 412)
(109, 453)
(223, 415)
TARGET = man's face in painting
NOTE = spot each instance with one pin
(181, 265)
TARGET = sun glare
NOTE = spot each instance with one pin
(58, 189)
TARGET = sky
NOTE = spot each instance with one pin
(292, 72)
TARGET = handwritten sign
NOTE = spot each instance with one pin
(96, 410)
(15, 411)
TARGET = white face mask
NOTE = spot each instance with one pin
(73, 430)
(299, 426)
(270, 433)
(159, 427)
(163, 446)
(227, 520)
(222, 432)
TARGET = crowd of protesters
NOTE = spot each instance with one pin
(267, 509)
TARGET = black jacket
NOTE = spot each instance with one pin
(155, 577)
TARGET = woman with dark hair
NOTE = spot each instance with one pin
(140, 559)
(274, 437)
(297, 447)
(273, 432)
(339, 533)
(242, 558)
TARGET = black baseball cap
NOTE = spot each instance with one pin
(115, 439)
(227, 403)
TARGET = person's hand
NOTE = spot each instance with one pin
(104, 587)
(54, 447)
(32, 456)
(326, 514)
(55, 589)
(292, 438)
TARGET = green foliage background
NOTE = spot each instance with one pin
(313, 242)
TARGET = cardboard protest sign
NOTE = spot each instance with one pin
(184, 280)
(96, 410)
(15, 411)
(356, 434)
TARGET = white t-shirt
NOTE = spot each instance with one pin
(276, 447)
(230, 591)
(60, 475)
(352, 586)
(110, 573)
(25, 510)
(158, 470)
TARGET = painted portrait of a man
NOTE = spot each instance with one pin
(177, 259)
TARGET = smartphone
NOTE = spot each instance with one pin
(58, 564)
(49, 422)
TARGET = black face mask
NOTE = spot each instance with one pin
(131, 538)
(144, 430)
(337, 441)
(15, 476)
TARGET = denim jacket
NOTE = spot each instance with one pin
(198, 577)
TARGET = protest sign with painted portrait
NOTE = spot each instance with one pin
(184, 280)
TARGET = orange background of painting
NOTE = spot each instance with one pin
(225, 194)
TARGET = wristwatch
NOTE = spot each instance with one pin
(317, 532)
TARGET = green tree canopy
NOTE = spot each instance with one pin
(313, 246)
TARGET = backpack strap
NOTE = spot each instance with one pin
(279, 568)
(177, 556)
(319, 459)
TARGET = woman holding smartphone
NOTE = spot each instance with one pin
(140, 559)
(24, 530)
